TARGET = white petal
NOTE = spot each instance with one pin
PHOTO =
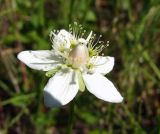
(60, 89)
(102, 64)
(40, 60)
(63, 37)
(102, 88)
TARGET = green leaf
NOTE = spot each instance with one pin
(19, 100)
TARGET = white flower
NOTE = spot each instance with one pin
(73, 63)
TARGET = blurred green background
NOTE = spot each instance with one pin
(133, 29)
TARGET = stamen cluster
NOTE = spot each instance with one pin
(76, 48)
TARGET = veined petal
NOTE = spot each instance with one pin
(40, 60)
(102, 64)
(61, 88)
(62, 38)
(102, 88)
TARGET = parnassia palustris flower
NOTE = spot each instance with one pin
(74, 63)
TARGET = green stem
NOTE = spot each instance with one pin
(71, 11)
(71, 118)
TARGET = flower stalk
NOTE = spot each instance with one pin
(71, 118)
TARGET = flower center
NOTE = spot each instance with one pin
(79, 55)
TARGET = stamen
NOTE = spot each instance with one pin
(77, 30)
(83, 33)
(97, 41)
(95, 50)
(107, 43)
(82, 46)
(80, 31)
(52, 35)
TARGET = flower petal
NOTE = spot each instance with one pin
(102, 64)
(63, 37)
(102, 88)
(40, 60)
(60, 89)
